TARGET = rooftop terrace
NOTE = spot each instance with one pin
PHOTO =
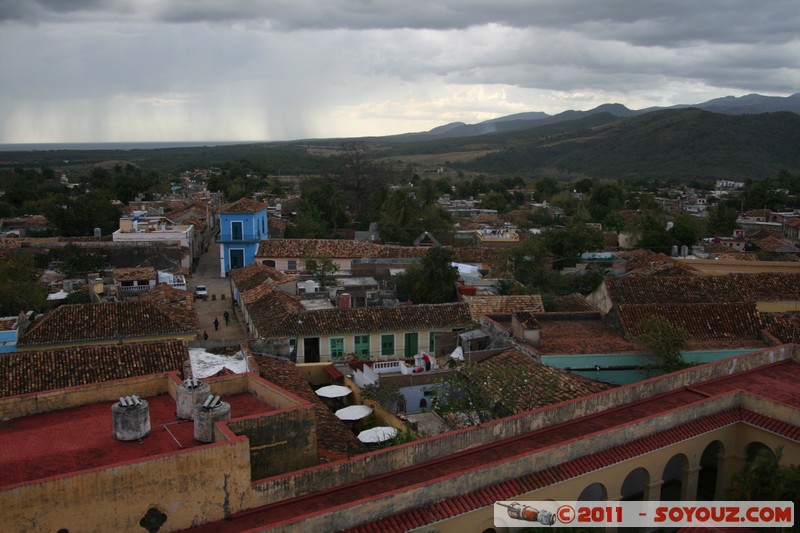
(79, 438)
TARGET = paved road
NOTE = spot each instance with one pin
(219, 298)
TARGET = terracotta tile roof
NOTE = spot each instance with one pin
(370, 320)
(569, 303)
(579, 336)
(179, 304)
(243, 205)
(671, 289)
(43, 370)
(333, 248)
(254, 275)
(738, 256)
(784, 326)
(776, 245)
(102, 322)
(702, 322)
(766, 286)
(661, 264)
(566, 386)
(271, 310)
(496, 305)
(348, 249)
(134, 273)
(526, 319)
(334, 440)
(200, 226)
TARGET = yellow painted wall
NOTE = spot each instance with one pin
(193, 487)
(423, 344)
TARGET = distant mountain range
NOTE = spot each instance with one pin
(750, 104)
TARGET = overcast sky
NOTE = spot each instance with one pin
(174, 70)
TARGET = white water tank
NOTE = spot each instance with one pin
(190, 393)
(212, 410)
(131, 418)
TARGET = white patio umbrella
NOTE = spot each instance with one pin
(379, 434)
(333, 391)
(353, 412)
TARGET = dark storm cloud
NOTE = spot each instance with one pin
(285, 67)
(648, 23)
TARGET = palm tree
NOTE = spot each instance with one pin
(765, 479)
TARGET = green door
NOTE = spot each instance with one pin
(412, 344)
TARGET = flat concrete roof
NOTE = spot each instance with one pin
(71, 440)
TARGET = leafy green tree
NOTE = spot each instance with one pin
(663, 341)
(567, 202)
(566, 245)
(385, 393)
(309, 223)
(323, 270)
(77, 262)
(766, 479)
(77, 297)
(722, 220)
(434, 281)
(605, 198)
(763, 194)
(428, 192)
(495, 200)
(79, 216)
(547, 187)
(403, 218)
(441, 274)
(20, 289)
(526, 262)
(683, 234)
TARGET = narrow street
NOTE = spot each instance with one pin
(219, 299)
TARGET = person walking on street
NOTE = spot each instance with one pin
(227, 318)
(216, 324)
(205, 335)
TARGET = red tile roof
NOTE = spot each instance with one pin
(347, 249)
(569, 303)
(507, 490)
(270, 310)
(703, 289)
(253, 275)
(107, 322)
(774, 382)
(580, 336)
(561, 385)
(496, 305)
(243, 205)
(702, 322)
(378, 319)
(784, 326)
(177, 303)
(134, 273)
(43, 370)
(658, 264)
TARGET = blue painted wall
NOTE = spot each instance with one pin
(622, 369)
(253, 231)
(8, 341)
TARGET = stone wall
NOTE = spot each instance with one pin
(280, 442)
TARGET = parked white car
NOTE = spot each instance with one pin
(201, 292)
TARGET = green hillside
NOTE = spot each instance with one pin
(669, 144)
